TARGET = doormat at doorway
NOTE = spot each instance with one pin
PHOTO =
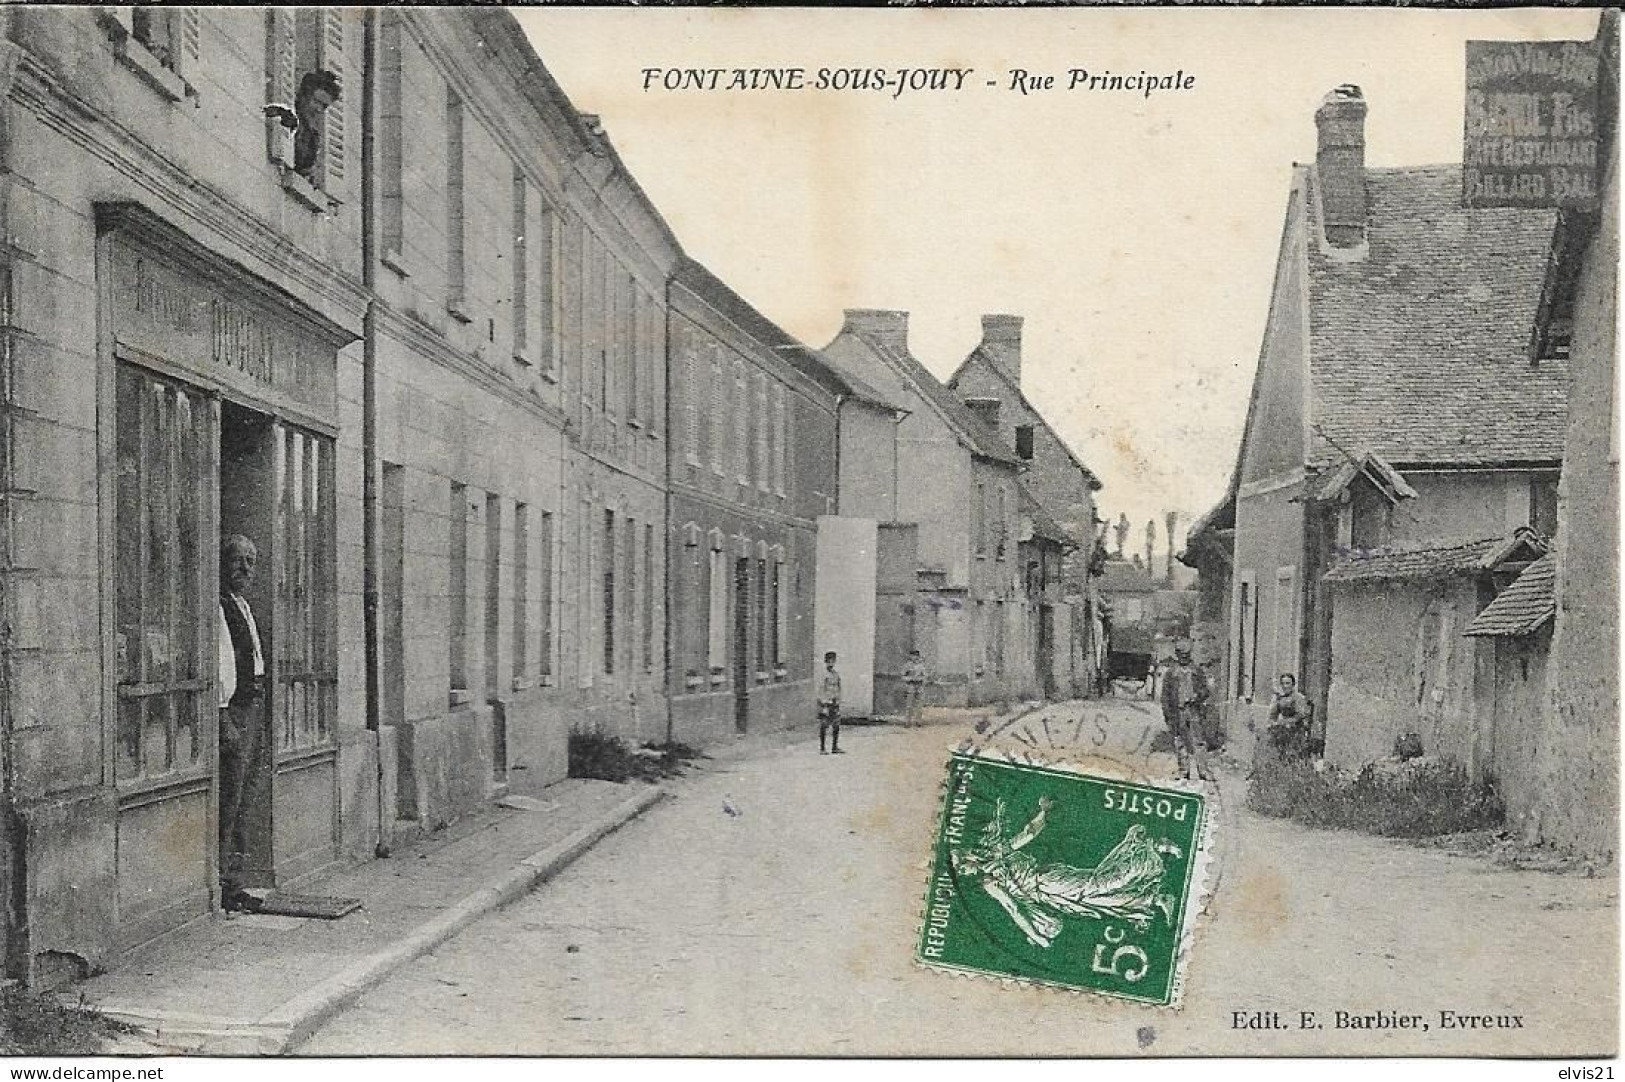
(319, 906)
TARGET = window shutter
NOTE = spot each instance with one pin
(781, 433)
(330, 53)
(691, 403)
(186, 31)
(279, 81)
(763, 477)
(741, 425)
(719, 410)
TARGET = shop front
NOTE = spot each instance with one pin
(218, 417)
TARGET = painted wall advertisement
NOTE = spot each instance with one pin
(1531, 125)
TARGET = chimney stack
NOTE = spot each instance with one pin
(1340, 165)
(887, 327)
(1001, 340)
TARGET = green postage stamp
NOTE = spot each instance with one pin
(1046, 875)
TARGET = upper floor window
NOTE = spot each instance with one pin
(305, 71)
(161, 44)
(1024, 442)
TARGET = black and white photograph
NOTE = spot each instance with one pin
(927, 533)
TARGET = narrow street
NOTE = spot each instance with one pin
(770, 908)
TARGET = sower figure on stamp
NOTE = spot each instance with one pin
(913, 686)
(1184, 693)
(829, 706)
(242, 712)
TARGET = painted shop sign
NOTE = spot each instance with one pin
(231, 338)
(1530, 137)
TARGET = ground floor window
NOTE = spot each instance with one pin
(165, 604)
(716, 619)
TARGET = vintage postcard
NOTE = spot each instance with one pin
(1064, 532)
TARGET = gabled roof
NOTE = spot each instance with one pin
(1435, 560)
(966, 427)
(1523, 607)
(1387, 480)
(1004, 377)
(1044, 526)
(1420, 349)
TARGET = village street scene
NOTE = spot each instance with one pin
(504, 528)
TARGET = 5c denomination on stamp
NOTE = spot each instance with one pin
(1046, 875)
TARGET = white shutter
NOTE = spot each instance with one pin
(691, 402)
(280, 78)
(186, 34)
(331, 55)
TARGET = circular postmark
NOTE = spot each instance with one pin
(1065, 855)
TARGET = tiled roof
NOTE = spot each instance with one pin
(1122, 577)
(1524, 606)
(1420, 350)
(987, 363)
(722, 297)
(1044, 526)
(1435, 560)
(970, 429)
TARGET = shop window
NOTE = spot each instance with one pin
(306, 620)
(164, 603)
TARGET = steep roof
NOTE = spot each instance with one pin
(1434, 561)
(979, 354)
(742, 314)
(1523, 607)
(967, 428)
(1044, 526)
(1420, 350)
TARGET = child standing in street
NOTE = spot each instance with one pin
(829, 706)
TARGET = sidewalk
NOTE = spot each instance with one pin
(258, 985)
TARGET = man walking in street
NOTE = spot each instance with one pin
(829, 706)
(1184, 692)
(242, 712)
(913, 686)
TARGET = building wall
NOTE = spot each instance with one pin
(1466, 506)
(739, 479)
(1513, 741)
(1051, 475)
(867, 485)
(1579, 743)
(1268, 565)
(1401, 664)
(82, 129)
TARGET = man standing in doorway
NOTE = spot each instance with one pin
(242, 712)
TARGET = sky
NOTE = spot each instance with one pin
(1136, 235)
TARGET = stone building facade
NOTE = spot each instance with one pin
(443, 423)
(967, 613)
(753, 452)
(989, 380)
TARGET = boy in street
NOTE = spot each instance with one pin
(913, 684)
(829, 706)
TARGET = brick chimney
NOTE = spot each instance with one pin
(884, 326)
(1001, 340)
(1340, 165)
